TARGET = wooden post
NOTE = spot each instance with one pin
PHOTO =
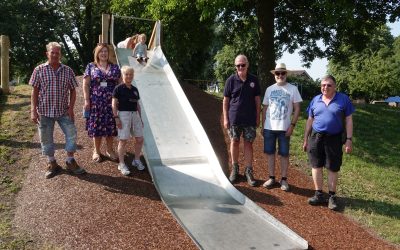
(5, 48)
(105, 27)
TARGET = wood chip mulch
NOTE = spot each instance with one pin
(105, 210)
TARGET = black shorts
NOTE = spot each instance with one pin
(325, 150)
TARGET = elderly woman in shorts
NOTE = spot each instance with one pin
(127, 114)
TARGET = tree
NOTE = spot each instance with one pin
(287, 25)
(29, 26)
(32, 24)
(308, 88)
(370, 74)
(186, 38)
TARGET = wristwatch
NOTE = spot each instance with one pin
(349, 138)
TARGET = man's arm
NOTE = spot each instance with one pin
(258, 110)
(263, 117)
(307, 132)
(296, 113)
(225, 109)
(72, 100)
(349, 132)
(34, 104)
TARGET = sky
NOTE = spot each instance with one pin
(318, 66)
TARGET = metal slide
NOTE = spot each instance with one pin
(185, 169)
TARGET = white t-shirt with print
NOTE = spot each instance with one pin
(279, 100)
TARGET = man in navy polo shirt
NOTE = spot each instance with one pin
(241, 110)
(329, 115)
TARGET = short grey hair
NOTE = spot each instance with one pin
(326, 77)
(52, 44)
(242, 56)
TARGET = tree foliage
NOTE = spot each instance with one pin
(197, 34)
(299, 25)
(370, 74)
(32, 24)
(186, 38)
(307, 88)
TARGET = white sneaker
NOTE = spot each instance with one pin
(124, 169)
(138, 164)
(284, 185)
(269, 183)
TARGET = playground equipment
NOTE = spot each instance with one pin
(185, 169)
(5, 48)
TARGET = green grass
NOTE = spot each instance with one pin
(15, 137)
(369, 181)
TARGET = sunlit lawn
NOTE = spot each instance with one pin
(370, 177)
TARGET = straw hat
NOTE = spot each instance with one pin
(280, 67)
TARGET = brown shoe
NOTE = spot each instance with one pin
(74, 168)
(52, 169)
(249, 176)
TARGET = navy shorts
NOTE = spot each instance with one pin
(247, 132)
(270, 138)
(325, 150)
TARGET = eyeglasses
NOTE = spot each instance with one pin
(240, 65)
(326, 85)
(282, 73)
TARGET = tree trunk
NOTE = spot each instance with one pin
(71, 59)
(265, 15)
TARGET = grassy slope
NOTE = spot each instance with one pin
(15, 140)
(370, 177)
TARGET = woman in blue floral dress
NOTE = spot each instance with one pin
(99, 81)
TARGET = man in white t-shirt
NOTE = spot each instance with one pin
(279, 116)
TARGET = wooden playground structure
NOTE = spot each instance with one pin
(5, 73)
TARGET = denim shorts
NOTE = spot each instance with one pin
(247, 132)
(270, 138)
(131, 125)
(46, 132)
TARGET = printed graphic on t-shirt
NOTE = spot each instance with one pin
(279, 105)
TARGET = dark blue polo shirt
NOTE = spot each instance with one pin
(127, 97)
(329, 119)
(242, 105)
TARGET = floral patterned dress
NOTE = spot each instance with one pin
(101, 121)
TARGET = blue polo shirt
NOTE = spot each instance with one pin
(242, 105)
(329, 118)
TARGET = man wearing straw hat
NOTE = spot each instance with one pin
(281, 100)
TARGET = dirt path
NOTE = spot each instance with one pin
(104, 210)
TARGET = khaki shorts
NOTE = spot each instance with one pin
(132, 125)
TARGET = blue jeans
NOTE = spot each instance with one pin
(46, 131)
(270, 138)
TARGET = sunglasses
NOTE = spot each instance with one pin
(326, 85)
(240, 65)
(282, 73)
